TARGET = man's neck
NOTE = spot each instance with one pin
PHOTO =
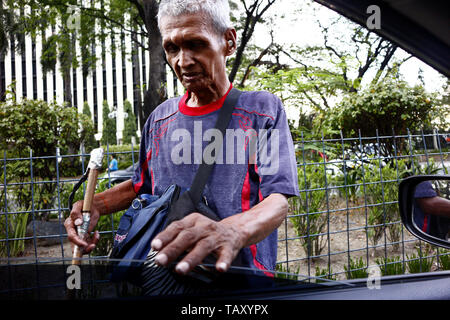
(208, 95)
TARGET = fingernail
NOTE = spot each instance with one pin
(161, 259)
(222, 266)
(182, 267)
(78, 222)
(156, 244)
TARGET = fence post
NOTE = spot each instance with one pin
(32, 204)
(8, 251)
(307, 207)
(57, 159)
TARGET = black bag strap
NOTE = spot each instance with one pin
(205, 169)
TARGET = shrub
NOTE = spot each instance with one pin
(390, 266)
(307, 220)
(382, 193)
(418, 263)
(40, 127)
(356, 269)
(324, 274)
(123, 154)
(284, 273)
(444, 259)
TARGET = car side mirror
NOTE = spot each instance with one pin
(425, 208)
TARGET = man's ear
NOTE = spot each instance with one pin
(231, 42)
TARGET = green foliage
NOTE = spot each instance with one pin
(123, 154)
(284, 273)
(444, 259)
(324, 274)
(381, 183)
(419, 263)
(388, 105)
(40, 127)
(356, 269)
(130, 126)
(307, 220)
(109, 126)
(390, 266)
(13, 226)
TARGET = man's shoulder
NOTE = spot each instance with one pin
(166, 109)
(261, 103)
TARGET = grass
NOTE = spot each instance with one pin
(418, 263)
(444, 259)
(390, 266)
(356, 269)
(323, 273)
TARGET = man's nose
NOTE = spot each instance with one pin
(185, 59)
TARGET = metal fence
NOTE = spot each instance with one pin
(345, 220)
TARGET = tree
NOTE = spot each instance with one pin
(92, 23)
(348, 58)
(246, 23)
(130, 123)
(109, 126)
(90, 142)
(384, 108)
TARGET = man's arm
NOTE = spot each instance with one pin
(107, 202)
(435, 205)
(202, 236)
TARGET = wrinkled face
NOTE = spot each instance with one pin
(195, 51)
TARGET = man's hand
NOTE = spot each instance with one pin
(76, 219)
(112, 200)
(200, 236)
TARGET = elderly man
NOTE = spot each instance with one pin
(250, 200)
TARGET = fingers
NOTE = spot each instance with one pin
(76, 214)
(226, 257)
(171, 232)
(199, 236)
(195, 256)
(76, 219)
(175, 246)
(72, 234)
(92, 243)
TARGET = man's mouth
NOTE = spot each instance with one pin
(190, 76)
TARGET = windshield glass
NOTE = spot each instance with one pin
(346, 113)
(60, 279)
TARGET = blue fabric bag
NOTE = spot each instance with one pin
(144, 219)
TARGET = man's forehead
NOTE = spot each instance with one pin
(198, 21)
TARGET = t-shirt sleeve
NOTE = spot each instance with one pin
(277, 166)
(141, 180)
(425, 190)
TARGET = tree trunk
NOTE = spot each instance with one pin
(137, 89)
(156, 87)
(67, 87)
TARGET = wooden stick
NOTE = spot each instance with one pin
(87, 204)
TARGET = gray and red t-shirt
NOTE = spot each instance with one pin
(176, 137)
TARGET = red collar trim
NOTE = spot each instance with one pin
(199, 111)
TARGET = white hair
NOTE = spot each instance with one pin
(218, 10)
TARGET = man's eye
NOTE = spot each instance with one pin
(171, 49)
(196, 44)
